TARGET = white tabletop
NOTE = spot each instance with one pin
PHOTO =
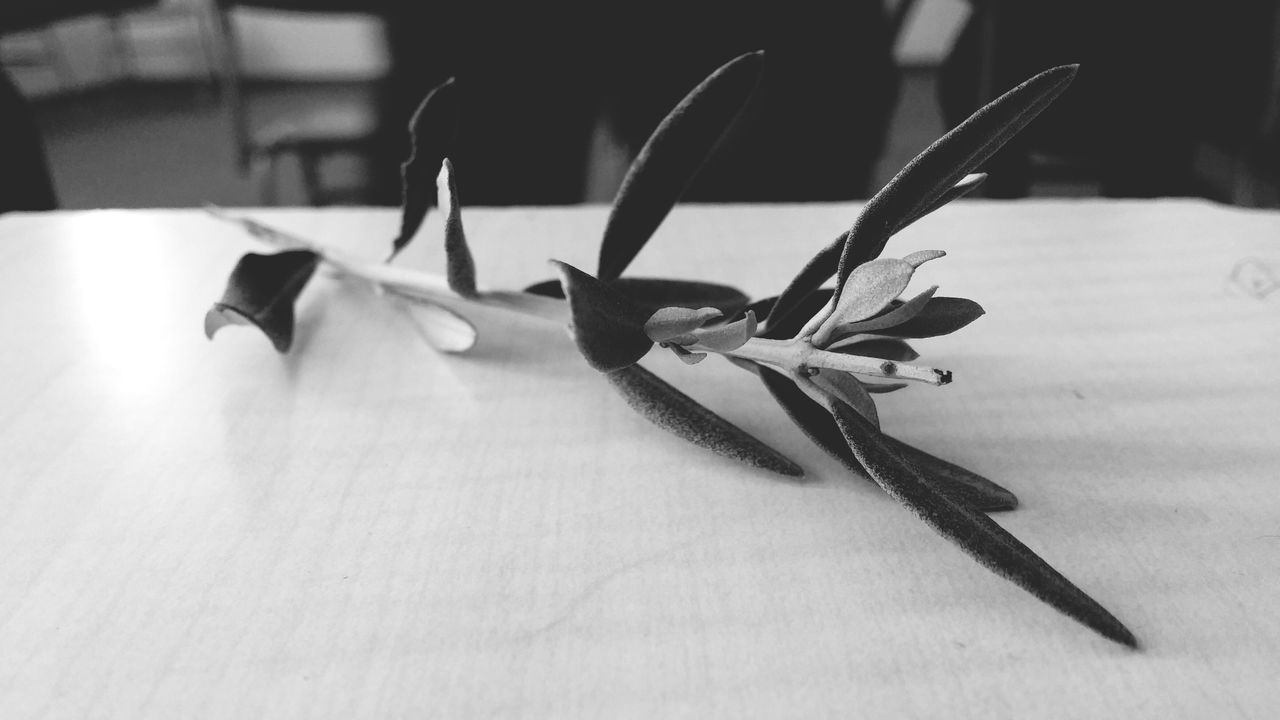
(367, 528)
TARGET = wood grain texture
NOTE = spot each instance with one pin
(366, 528)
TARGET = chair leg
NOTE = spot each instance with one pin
(126, 64)
(265, 169)
(309, 164)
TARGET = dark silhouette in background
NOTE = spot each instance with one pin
(537, 81)
(25, 183)
(1156, 80)
(534, 79)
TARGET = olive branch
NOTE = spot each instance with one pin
(822, 352)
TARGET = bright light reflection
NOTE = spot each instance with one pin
(124, 274)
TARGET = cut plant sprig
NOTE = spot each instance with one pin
(803, 358)
(810, 346)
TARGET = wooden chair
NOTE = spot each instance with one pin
(310, 136)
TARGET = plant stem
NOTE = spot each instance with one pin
(799, 356)
(796, 357)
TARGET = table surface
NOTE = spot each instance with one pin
(367, 528)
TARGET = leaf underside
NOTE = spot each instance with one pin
(975, 533)
(681, 415)
(816, 422)
(261, 291)
(431, 134)
(442, 328)
(668, 162)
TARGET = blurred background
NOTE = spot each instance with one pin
(174, 103)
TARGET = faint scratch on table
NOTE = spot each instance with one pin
(594, 587)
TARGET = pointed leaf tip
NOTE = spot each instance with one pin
(931, 175)
(607, 326)
(974, 533)
(669, 323)
(817, 423)
(671, 158)
(460, 267)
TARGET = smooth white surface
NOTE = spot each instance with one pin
(365, 528)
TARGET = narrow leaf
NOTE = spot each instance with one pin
(927, 178)
(280, 239)
(816, 423)
(261, 291)
(966, 185)
(896, 315)
(848, 390)
(884, 348)
(653, 294)
(677, 413)
(672, 322)
(431, 134)
(881, 388)
(976, 534)
(933, 468)
(671, 158)
(818, 270)
(608, 328)
(939, 316)
(868, 290)
(442, 328)
(460, 267)
(687, 357)
(790, 325)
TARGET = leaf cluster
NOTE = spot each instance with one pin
(813, 347)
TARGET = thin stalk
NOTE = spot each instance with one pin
(800, 357)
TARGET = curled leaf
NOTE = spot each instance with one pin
(816, 423)
(608, 327)
(460, 267)
(677, 413)
(261, 291)
(728, 336)
(939, 316)
(688, 357)
(671, 158)
(672, 322)
(431, 133)
(442, 328)
(976, 534)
